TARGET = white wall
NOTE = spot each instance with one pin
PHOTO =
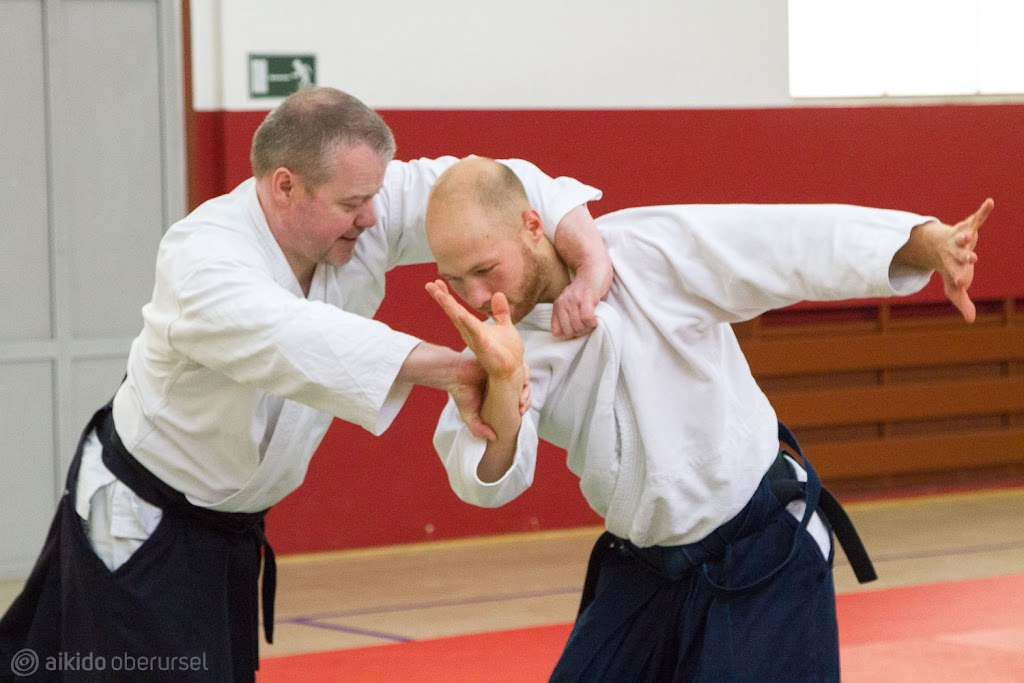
(447, 54)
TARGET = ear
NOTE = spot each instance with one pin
(533, 225)
(283, 185)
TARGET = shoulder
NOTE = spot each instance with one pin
(218, 231)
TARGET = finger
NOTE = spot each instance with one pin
(576, 324)
(981, 215)
(464, 321)
(437, 286)
(524, 400)
(588, 317)
(558, 326)
(962, 277)
(500, 310)
(569, 321)
(448, 305)
(963, 303)
(480, 430)
(437, 290)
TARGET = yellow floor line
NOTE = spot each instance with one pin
(594, 531)
(448, 544)
(932, 497)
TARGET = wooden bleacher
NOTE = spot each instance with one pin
(896, 394)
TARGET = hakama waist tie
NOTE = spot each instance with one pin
(236, 524)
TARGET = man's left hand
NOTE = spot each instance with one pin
(581, 247)
(573, 313)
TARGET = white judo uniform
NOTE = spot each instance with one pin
(660, 416)
(236, 376)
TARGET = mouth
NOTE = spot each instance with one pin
(351, 236)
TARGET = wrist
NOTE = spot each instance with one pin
(597, 278)
(432, 366)
(500, 408)
(923, 248)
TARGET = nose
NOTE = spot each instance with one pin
(367, 216)
(478, 295)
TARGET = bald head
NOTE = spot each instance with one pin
(476, 194)
(486, 238)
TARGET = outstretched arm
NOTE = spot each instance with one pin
(499, 349)
(580, 245)
(948, 249)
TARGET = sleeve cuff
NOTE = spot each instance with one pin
(389, 395)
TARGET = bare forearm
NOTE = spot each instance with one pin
(581, 247)
(431, 366)
(500, 411)
(921, 250)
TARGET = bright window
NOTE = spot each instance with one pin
(874, 48)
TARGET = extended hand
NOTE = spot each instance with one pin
(498, 347)
(958, 259)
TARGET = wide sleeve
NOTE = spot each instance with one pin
(461, 452)
(552, 198)
(228, 314)
(401, 204)
(733, 262)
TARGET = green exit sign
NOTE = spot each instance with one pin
(280, 75)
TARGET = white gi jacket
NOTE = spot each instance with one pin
(236, 375)
(662, 420)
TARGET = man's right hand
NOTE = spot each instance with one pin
(468, 392)
(498, 347)
(499, 350)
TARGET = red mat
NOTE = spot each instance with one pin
(959, 631)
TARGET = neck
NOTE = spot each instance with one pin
(301, 268)
(554, 274)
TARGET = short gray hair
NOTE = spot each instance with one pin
(302, 132)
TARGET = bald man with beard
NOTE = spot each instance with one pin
(716, 563)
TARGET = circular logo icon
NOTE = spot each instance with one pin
(25, 662)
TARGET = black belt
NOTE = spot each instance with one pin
(780, 479)
(154, 491)
(786, 488)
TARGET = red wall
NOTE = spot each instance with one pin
(937, 160)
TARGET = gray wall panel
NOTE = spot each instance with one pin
(24, 258)
(28, 482)
(109, 170)
(91, 115)
(93, 383)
